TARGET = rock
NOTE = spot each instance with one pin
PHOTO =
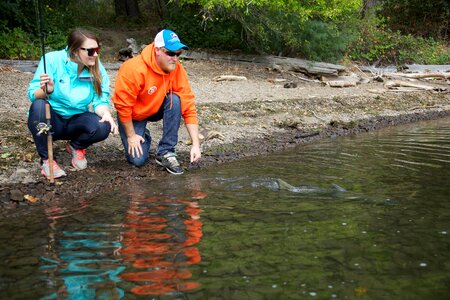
(16, 195)
(289, 85)
(48, 196)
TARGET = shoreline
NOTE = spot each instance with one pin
(237, 120)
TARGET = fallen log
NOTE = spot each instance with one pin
(401, 83)
(341, 81)
(338, 83)
(414, 68)
(229, 78)
(275, 62)
(419, 75)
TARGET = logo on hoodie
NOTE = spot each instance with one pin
(152, 90)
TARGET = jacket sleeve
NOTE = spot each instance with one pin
(183, 89)
(126, 90)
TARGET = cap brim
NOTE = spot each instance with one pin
(176, 47)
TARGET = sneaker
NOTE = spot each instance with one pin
(79, 161)
(170, 162)
(57, 171)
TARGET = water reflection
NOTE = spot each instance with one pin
(80, 263)
(148, 250)
(163, 238)
(159, 243)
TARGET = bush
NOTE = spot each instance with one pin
(262, 30)
(218, 33)
(377, 44)
(321, 41)
(18, 44)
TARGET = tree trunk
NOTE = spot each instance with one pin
(127, 8)
(368, 5)
(133, 9)
(160, 6)
(120, 8)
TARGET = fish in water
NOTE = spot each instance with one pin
(283, 185)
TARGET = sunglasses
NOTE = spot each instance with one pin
(171, 53)
(91, 51)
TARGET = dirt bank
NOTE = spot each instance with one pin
(237, 119)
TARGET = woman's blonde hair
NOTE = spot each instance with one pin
(74, 42)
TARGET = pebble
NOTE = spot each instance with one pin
(16, 195)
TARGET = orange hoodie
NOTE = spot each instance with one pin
(141, 86)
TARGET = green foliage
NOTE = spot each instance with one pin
(18, 14)
(417, 17)
(288, 28)
(218, 33)
(17, 44)
(313, 29)
(304, 9)
(322, 41)
(379, 44)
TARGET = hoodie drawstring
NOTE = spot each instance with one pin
(170, 90)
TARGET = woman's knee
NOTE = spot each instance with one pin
(38, 107)
(36, 114)
(104, 130)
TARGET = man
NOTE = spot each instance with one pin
(150, 87)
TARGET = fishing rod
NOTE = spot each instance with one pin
(45, 127)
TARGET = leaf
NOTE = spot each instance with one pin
(5, 155)
(28, 157)
(30, 198)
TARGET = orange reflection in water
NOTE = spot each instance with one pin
(160, 244)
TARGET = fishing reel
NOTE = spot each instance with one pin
(43, 128)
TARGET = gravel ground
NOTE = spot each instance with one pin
(237, 119)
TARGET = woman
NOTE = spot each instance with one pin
(75, 84)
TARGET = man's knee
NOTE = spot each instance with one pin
(137, 161)
(174, 100)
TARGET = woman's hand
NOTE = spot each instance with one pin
(47, 84)
(106, 117)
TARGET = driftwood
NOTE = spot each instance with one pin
(206, 135)
(303, 78)
(342, 83)
(426, 68)
(419, 75)
(406, 68)
(274, 62)
(21, 65)
(229, 78)
(311, 68)
(402, 83)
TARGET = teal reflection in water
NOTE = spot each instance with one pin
(230, 233)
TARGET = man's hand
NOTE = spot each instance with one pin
(134, 145)
(196, 154)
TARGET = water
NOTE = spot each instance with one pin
(229, 233)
